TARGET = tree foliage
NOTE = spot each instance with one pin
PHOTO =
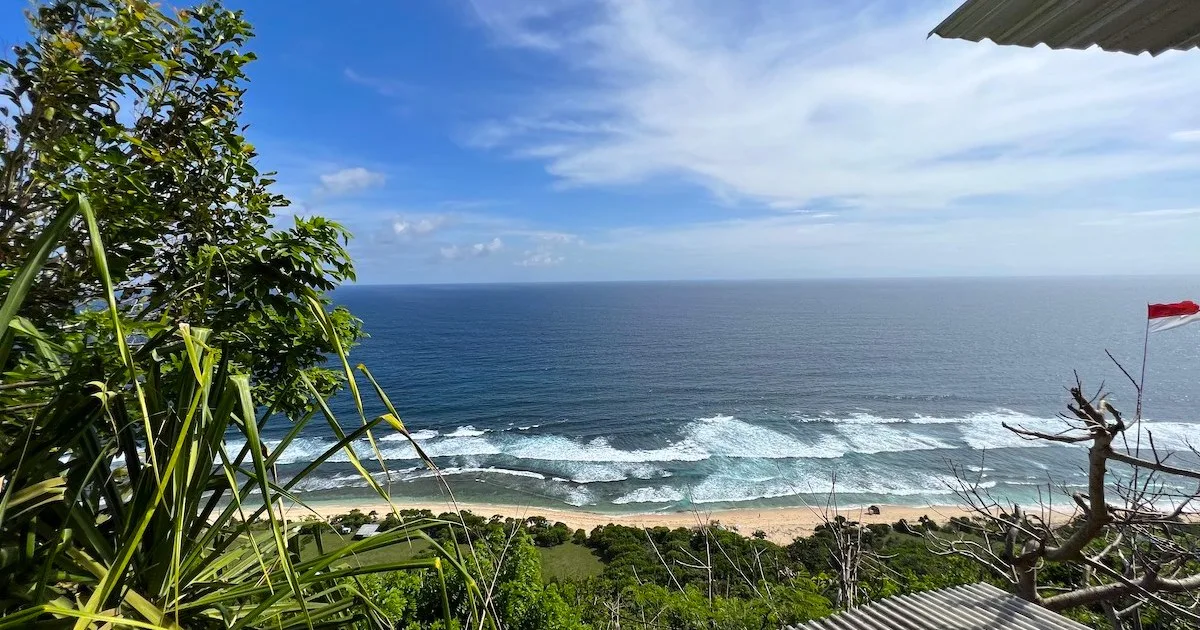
(153, 320)
(139, 111)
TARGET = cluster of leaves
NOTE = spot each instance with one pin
(546, 534)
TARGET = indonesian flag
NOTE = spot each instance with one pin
(1168, 316)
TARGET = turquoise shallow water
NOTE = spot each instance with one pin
(645, 396)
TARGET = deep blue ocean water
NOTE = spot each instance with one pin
(647, 396)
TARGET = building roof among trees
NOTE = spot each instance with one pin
(367, 530)
(969, 607)
(1128, 26)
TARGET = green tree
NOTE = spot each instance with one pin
(139, 111)
(151, 310)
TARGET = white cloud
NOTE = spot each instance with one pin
(1189, 135)
(478, 250)
(561, 238)
(351, 180)
(1051, 242)
(786, 104)
(540, 258)
(382, 86)
(416, 227)
(548, 247)
(1169, 212)
(516, 22)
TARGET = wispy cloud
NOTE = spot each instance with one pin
(1169, 212)
(350, 180)
(477, 250)
(785, 104)
(382, 86)
(1049, 242)
(534, 258)
(548, 248)
(419, 226)
(1187, 135)
(522, 22)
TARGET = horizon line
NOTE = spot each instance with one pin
(1094, 276)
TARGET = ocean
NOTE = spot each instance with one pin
(702, 395)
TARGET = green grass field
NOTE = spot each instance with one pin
(391, 553)
(569, 562)
(564, 562)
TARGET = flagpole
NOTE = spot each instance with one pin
(1137, 416)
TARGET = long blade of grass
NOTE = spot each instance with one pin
(322, 318)
(133, 540)
(219, 547)
(11, 484)
(42, 247)
(395, 421)
(29, 615)
(19, 291)
(135, 599)
(297, 426)
(331, 335)
(241, 384)
(101, 260)
(336, 427)
(437, 565)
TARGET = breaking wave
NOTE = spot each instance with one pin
(724, 436)
(720, 458)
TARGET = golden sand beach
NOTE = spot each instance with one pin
(781, 524)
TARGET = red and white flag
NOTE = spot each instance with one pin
(1168, 316)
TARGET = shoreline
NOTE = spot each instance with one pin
(780, 524)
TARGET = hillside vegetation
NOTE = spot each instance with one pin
(157, 312)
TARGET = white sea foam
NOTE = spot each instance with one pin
(1175, 436)
(559, 448)
(986, 431)
(604, 472)
(701, 439)
(450, 447)
(748, 483)
(419, 435)
(727, 436)
(776, 461)
(467, 431)
(575, 495)
(493, 470)
(663, 494)
(354, 479)
(863, 417)
(886, 439)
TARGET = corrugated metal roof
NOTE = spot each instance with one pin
(367, 530)
(1128, 26)
(969, 607)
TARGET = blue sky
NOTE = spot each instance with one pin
(523, 140)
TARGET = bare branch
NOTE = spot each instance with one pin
(1160, 467)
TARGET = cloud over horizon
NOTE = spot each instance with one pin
(466, 252)
(790, 105)
(677, 139)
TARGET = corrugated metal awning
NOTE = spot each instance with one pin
(1128, 26)
(970, 607)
